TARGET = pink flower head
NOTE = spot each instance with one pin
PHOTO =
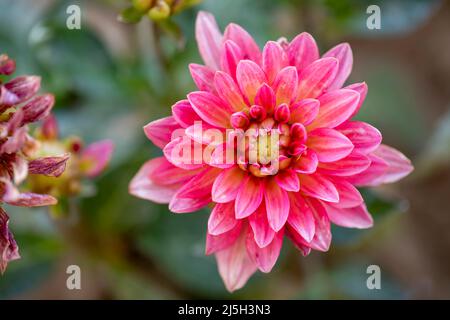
(296, 184)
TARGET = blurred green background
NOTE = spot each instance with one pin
(111, 78)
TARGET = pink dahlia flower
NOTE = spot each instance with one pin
(321, 155)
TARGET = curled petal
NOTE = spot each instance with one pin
(37, 108)
(301, 244)
(244, 40)
(202, 76)
(342, 52)
(20, 89)
(222, 219)
(316, 78)
(160, 131)
(357, 217)
(49, 166)
(209, 39)
(329, 144)
(302, 51)
(95, 157)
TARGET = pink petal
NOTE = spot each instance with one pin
(184, 153)
(203, 77)
(265, 97)
(49, 166)
(263, 233)
(301, 218)
(329, 144)
(38, 108)
(273, 60)
(288, 180)
(352, 164)
(227, 184)
(228, 90)
(244, 41)
(335, 107)
(302, 51)
(322, 236)
(305, 111)
(357, 217)
(349, 196)
(307, 163)
(265, 258)
(235, 266)
(363, 136)
(20, 89)
(368, 177)
(221, 219)
(211, 109)
(184, 114)
(285, 85)
(399, 166)
(215, 243)
(160, 131)
(250, 77)
(277, 204)
(195, 194)
(209, 39)
(316, 78)
(298, 241)
(249, 197)
(222, 156)
(342, 52)
(231, 56)
(319, 186)
(95, 157)
(362, 89)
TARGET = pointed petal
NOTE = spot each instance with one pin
(352, 164)
(244, 41)
(277, 204)
(362, 89)
(307, 163)
(288, 180)
(363, 136)
(357, 217)
(335, 107)
(273, 60)
(228, 90)
(301, 218)
(349, 196)
(322, 236)
(20, 89)
(302, 51)
(342, 52)
(316, 78)
(210, 108)
(49, 166)
(203, 77)
(38, 108)
(399, 166)
(263, 233)
(209, 39)
(285, 85)
(221, 219)
(376, 169)
(231, 56)
(227, 185)
(249, 197)
(265, 258)
(160, 131)
(298, 241)
(304, 111)
(329, 144)
(265, 97)
(215, 243)
(95, 157)
(184, 153)
(319, 186)
(184, 114)
(250, 77)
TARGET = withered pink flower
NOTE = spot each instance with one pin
(19, 106)
(322, 155)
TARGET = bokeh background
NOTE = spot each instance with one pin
(112, 78)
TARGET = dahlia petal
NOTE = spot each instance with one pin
(285, 85)
(184, 114)
(265, 97)
(266, 257)
(250, 77)
(203, 77)
(227, 184)
(244, 40)
(305, 111)
(357, 217)
(37, 108)
(249, 197)
(228, 90)
(307, 163)
(277, 204)
(221, 219)
(231, 56)
(399, 166)
(288, 180)
(274, 59)
(160, 131)
(298, 241)
(21, 89)
(235, 266)
(210, 108)
(316, 78)
(222, 157)
(263, 233)
(301, 218)
(96, 157)
(368, 177)
(363, 136)
(205, 134)
(352, 164)
(349, 196)
(362, 89)
(342, 52)
(302, 51)
(322, 236)
(195, 194)
(209, 39)
(319, 186)
(49, 166)
(329, 144)
(215, 243)
(335, 107)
